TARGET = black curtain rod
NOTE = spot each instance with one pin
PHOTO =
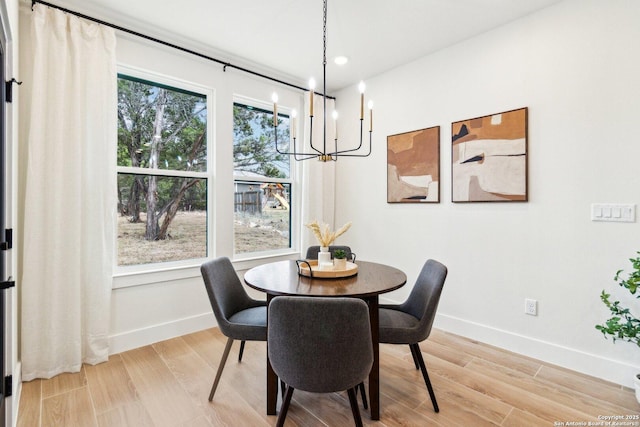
(225, 64)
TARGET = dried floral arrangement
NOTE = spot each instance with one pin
(324, 235)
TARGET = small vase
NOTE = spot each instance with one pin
(324, 259)
(340, 263)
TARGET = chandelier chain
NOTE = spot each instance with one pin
(324, 33)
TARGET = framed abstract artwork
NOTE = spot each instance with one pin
(489, 158)
(413, 166)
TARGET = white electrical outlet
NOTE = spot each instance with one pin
(531, 307)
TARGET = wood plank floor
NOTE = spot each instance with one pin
(167, 384)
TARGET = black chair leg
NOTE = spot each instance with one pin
(285, 407)
(413, 354)
(353, 400)
(364, 395)
(241, 351)
(227, 348)
(423, 367)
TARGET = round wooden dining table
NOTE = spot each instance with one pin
(371, 280)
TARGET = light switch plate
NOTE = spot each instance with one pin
(613, 212)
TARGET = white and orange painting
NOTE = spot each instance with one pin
(413, 166)
(489, 158)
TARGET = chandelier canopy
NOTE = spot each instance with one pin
(323, 153)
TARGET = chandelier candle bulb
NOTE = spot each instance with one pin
(274, 98)
(312, 87)
(370, 116)
(335, 123)
(361, 86)
(294, 114)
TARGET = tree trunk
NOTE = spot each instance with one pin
(152, 225)
(151, 231)
(133, 207)
(173, 208)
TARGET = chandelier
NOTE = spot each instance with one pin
(323, 153)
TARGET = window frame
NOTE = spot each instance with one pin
(131, 275)
(294, 181)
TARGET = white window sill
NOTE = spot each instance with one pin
(163, 273)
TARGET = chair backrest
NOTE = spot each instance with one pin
(226, 293)
(319, 344)
(422, 302)
(312, 252)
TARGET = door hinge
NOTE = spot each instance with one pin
(8, 240)
(8, 89)
(6, 284)
(8, 385)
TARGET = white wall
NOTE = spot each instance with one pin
(575, 66)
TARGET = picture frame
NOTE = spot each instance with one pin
(413, 166)
(489, 156)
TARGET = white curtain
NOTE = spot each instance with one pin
(69, 195)
(319, 177)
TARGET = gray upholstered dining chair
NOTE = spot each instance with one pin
(410, 322)
(319, 345)
(312, 252)
(239, 316)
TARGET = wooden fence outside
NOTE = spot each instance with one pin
(248, 201)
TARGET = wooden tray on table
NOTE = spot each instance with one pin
(309, 268)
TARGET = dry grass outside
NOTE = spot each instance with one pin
(261, 232)
(188, 237)
(187, 240)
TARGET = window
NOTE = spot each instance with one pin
(162, 173)
(262, 181)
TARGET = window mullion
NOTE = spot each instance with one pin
(162, 172)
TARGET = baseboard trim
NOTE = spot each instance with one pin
(129, 340)
(576, 360)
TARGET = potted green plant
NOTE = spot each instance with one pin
(624, 325)
(340, 259)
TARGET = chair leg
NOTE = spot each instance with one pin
(227, 348)
(423, 367)
(364, 394)
(241, 350)
(283, 388)
(353, 400)
(413, 354)
(285, 406)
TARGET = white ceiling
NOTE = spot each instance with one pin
(285, 36)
